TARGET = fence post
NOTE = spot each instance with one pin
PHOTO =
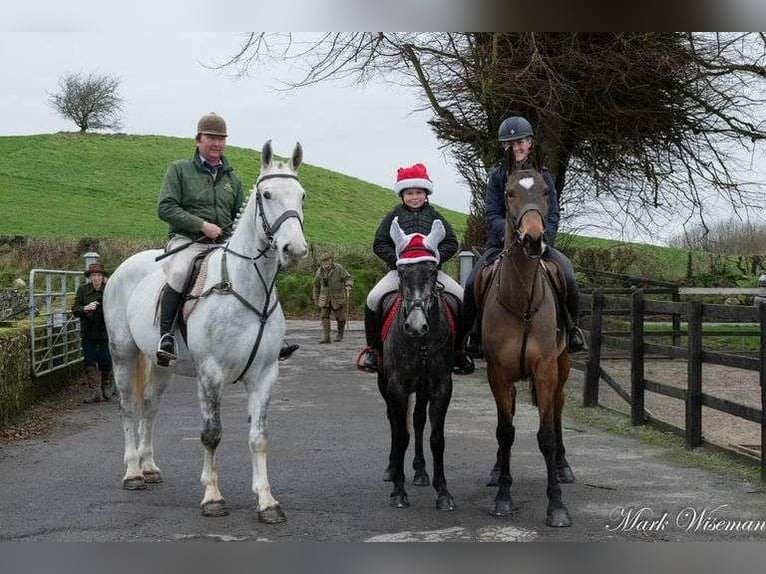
(637, 415)
(676, 320)
(762, 308)
(593, 364)
(693, 433)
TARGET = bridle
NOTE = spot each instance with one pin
(224, 287)
(425, 304)
(518, 241)
(422, 303)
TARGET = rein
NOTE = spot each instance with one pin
(224, 287)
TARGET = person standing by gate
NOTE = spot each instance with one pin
(332, 288)
(88, 307)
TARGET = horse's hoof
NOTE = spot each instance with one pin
(399, 501)
(388, 475)
(501, 508)
(153, 477)
(565, 475)
(421, 479)
(134, 483)
(272, 515)
(445, 503)
(214, 508)
(494, 478)
(558, 518)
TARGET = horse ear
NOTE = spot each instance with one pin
(435, 236)
(397, 234)
(297, 158)
(267, 155)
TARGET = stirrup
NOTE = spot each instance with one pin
(365, 366)
(466, 368)
(576, 341)
(164, 355)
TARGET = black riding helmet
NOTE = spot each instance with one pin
(514, 128)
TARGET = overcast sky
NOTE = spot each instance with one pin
(365, 131)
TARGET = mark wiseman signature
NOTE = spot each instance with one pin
(689, 519)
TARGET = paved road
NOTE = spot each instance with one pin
(328, 448)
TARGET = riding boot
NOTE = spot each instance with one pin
(341, 328)
(166, 351)
(368, 362)
(287, 350)
(473, 346)
(106, 384)
(94, 392)
(325, 332)
(463, 364)
(576, 341)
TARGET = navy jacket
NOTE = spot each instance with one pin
(495, 208)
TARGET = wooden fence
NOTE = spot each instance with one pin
(604, 302)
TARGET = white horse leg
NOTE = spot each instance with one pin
(129, 378)
(259, 393)
(210, 393)
(159, 381)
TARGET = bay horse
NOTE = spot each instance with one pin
(521, 340)
(233, 334)
(417, 360)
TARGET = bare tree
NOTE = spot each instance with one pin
(92, 102)
(644, 127)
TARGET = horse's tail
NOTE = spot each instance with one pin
(140, 379)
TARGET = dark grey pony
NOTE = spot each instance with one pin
(417, 358)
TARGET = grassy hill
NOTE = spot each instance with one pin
(70, 185)
(61, 188)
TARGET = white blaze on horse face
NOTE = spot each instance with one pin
(527, 182)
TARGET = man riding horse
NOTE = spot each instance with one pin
(200, 199)
(414, 215)
(516, 138)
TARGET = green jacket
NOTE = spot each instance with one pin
(92, 325)
(330, 286)
(191, 195)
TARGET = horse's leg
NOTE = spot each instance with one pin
(382, 386)
(494, 474)
(546, 384)
(259, 393)
(129, 369)
(209, 394)
(503, 391)
(437, 412)
(564, 471)
(397, 401)
(419, 422)
(159, 379)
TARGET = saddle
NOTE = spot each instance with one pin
(552, 275)
(190, 293)
(392, 302)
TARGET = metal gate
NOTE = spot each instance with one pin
(54, 331)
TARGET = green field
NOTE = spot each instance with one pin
(61, 189)
(72, 185)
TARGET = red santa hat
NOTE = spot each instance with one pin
(413, 176)
(415, 247)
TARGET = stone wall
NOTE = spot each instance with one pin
(18, 388)
(13, 303)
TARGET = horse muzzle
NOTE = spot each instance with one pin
(416, 324)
